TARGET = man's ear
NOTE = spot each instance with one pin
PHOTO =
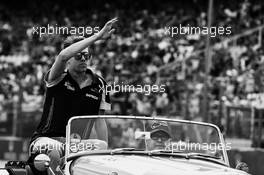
(68, 63)
(91, 61)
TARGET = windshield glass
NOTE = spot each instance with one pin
(147, 135)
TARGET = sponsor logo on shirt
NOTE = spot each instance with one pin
(69, 86)
(91, 96)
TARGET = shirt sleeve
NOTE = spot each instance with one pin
(54, 82)
(105, 101)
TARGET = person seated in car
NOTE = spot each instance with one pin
(160, 137)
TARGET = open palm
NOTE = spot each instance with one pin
(107, 30)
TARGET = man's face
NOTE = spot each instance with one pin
(159, 140)
(80, 61)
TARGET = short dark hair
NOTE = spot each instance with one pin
(70, 40)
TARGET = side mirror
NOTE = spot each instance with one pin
(242, 166)
(41, 162)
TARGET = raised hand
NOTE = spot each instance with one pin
(107, 30)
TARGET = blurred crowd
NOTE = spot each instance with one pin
(139, 53)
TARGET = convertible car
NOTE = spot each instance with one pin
(136, 146)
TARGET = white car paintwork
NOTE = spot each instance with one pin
(4, 172)
(147, 165)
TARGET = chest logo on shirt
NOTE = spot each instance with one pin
(91, 96)
(69, 86)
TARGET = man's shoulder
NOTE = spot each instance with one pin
(100, 78)
(56, 81)
(97, 78)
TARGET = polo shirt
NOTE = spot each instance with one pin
(64, 99)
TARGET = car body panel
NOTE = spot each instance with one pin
(4, 172)
(147, 165)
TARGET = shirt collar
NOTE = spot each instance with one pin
(88, 71)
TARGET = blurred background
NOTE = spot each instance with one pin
(217, 80)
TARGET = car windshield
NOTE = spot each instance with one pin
(150, 135)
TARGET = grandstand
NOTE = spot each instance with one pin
(140, 53)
